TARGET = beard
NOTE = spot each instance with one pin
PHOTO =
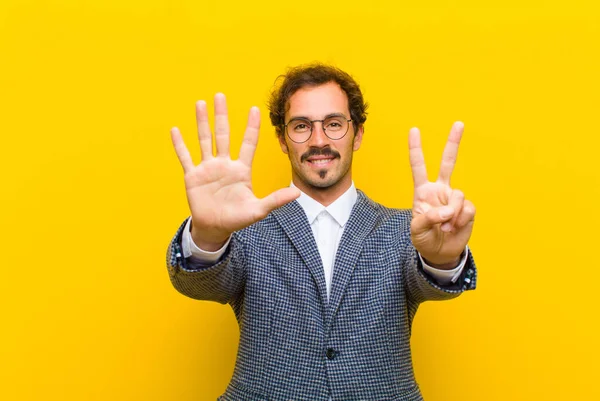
(326, 177)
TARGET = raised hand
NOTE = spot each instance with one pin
(442, 218)
(219, 190)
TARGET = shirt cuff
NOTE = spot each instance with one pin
(191, 249)
(445, 277)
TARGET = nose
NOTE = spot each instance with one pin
(318, 137)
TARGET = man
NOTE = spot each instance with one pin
(324, 282)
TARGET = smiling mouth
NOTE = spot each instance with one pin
(319, 156)
(320, 161)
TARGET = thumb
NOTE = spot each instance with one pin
(436, 215)
(277, 199)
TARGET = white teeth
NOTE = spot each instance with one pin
(320, 161)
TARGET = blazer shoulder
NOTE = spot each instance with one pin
(385, 214)
(259, 230)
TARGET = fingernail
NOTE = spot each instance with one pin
(446, 212)
(446, 227)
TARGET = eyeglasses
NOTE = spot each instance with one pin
(299, 130)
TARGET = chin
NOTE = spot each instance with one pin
(326, 182)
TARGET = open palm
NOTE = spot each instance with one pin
(219, 190)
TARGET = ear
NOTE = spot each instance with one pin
(282, 143)
(358, 137)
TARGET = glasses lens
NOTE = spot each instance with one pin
(336, 127)
(298, 129)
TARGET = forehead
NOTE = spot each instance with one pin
(318, 101)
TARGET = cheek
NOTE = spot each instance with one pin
(295, 152)
(349, 148)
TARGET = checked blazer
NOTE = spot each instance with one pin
(294, 344)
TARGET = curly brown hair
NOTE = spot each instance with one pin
(311, 75)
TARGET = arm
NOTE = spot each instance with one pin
(422, 286)
(196, 276)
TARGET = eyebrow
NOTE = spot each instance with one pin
(324, 118)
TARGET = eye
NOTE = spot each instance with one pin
(300, 126)
(334, 124)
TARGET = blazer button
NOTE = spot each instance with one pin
(330, 353)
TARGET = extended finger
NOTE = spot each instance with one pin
(182, 152)
(456, 201)
(467, 214)
(221, 125)
(277, 199)
(424, 222)
(415, 155)
(450, 152)
(204, 134)
(250, 137)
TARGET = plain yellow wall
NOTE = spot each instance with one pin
(91, 189)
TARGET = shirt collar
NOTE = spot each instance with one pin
(340, 209)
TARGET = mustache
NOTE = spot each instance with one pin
(314, 151)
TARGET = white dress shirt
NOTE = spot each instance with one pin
(327, 224)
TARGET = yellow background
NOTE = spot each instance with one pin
(92, 190)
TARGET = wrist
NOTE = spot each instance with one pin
(208, 243)
(444, 265)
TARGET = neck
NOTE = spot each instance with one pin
(325, 196)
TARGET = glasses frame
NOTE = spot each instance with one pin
(312, 126)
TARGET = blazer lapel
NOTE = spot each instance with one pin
(361, 223)
(294, 222)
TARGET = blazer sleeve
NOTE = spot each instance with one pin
(420, 286)
(222, 282)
